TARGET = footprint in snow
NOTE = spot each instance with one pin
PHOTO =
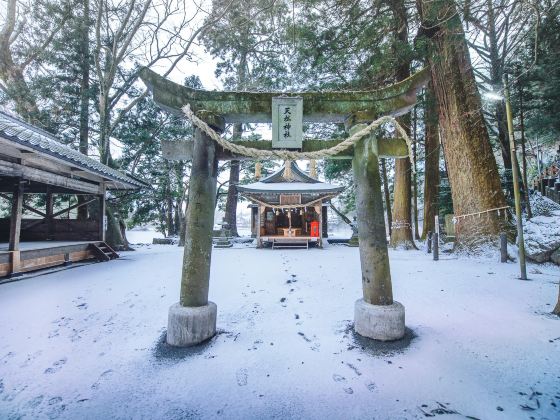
(354, 368)
(370, 386)
(338, 378)
(348, 390)
(56, 366)
(56, 407)
(7, 357)
(31, 358)
(35, 402)
(101, 378)
(241, 377)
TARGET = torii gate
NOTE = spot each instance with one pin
(193, 319)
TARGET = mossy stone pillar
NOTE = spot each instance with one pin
(193, 319)
(376, 315)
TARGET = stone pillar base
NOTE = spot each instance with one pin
(188, 326)
(380, 322)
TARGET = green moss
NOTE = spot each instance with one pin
(257, 106)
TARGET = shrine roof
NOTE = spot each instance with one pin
(24, 136)
(297, 182)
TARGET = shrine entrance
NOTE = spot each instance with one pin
(289, 207)
(193, 319)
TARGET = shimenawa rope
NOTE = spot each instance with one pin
(292, 155)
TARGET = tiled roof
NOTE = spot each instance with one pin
(299, 182)
(39, 140)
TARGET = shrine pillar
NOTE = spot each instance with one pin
(260, 220)
(193, 319)
(376, 315)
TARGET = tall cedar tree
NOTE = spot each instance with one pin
(472, 169)
(245, 43)
(401, 228)
(431, 162)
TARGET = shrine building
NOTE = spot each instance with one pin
(289, 208)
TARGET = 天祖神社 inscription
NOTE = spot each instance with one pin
(287, 121)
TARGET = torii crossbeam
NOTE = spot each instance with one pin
(193, 319)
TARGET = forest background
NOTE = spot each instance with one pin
(72, 67)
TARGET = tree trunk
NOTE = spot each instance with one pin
(431, 163)
(415, 177)
(115, 235)
(496, 74)
(387, 194)
(18, 89)
(10, 72)
(472, 169)
(169, 221)
(176, 218)
(524, 153)
(401, 228)
(232, 197)
(84, 95)
(183, 231)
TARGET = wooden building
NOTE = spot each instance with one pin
(289, 208)
(37, 173)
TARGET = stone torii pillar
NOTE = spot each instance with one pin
(193, 319)
(376, 315)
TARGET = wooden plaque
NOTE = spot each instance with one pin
(287, 122)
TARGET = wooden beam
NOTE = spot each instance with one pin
(15, 217)
(45, 177)
(58, 213)
(256, 107)
(182, 150)
(25, 206)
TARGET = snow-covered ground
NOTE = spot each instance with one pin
(87, 342)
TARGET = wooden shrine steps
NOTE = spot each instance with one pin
(103, 251)
(290, 243)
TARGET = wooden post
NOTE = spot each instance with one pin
(435, 245)
(429, 242)
(503, 248)
(254, 211)
(102, 210)
(15, 228)
(318, 210)
(259, 222)
(49, 213)
(200, 217)
(325, 218)
(374, 256)
(15, 218)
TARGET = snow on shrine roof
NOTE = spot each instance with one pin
(24, 134)
(299, 182)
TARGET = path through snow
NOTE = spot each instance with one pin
(88, 342)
